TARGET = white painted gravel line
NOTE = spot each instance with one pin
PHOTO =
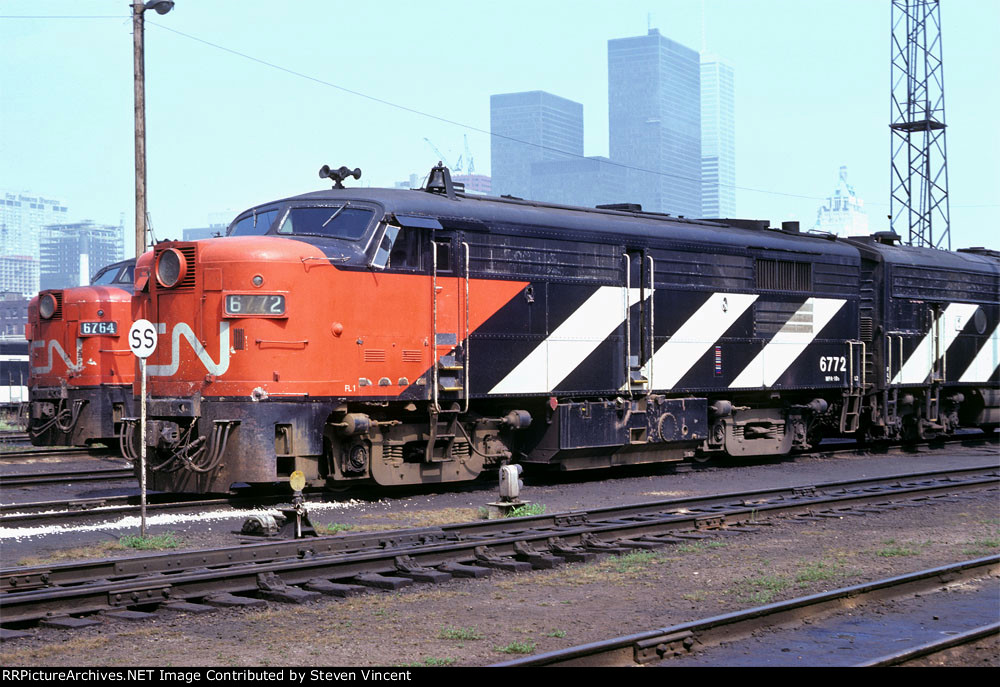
(132, 522)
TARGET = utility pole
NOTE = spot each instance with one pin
(919, 164)
(139, 77)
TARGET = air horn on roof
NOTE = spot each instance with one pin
(338, 175)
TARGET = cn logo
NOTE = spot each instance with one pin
(182, 329)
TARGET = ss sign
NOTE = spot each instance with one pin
(142, 338)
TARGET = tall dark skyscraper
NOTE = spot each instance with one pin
(654, 117)
(553, 124)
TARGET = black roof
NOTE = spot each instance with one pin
(490, 211)
(929, 258)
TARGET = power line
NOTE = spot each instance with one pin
(63, 16)
(453, 122)
(445, 120)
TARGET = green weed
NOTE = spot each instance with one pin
(527, 509)
(151, 542)
(818, 571)
(981, 547)
(516, 648)
(762, 589)
(890, 549)
(434, 661)
(333, 528)
(459, 633)
(699, 547)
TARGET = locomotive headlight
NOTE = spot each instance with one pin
(47, 306)
(171, 268)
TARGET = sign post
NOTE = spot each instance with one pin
(142, 341)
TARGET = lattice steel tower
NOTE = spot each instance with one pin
(919, 183)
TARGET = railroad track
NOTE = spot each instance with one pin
(889, 616)
(33, 479)
(46, 453)
(15, 437)
(295, 570)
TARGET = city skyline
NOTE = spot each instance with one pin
(225, 130)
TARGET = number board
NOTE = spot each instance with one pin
(98, 328)
(245, 304)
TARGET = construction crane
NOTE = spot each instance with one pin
(469, 164)
(441, 156)
(919, 165)
(465, 159)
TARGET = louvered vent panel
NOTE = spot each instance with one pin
(374, 355)
(411, 355)
(58, 295)
(867, 329)
(784, 275)
(188, 282)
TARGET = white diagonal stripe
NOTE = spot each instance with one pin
(569, 344)
(949, 324)
(789, 343)
(986, 361)
(688, 344)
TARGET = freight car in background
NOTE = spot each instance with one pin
(81, 368)
(407, 337)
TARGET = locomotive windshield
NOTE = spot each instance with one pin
(254, 224)
(114, 274)
(336, 221)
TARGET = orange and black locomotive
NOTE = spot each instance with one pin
(421, 336)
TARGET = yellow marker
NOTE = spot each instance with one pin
(297, 480)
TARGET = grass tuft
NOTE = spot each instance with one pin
(982, 547)
(460, 633)
(151, 542)
(527, 509)
(890, 549)
(763, 589)
(516, 648)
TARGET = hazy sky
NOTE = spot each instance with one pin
(225, 131)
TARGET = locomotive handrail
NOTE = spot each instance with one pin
(851, 343)
(468, 334)
(435, 406)
(889, 337)
(326, 258)
(652, 321)
(628, 324)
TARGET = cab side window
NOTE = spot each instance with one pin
(406, 250)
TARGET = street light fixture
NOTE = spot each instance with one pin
(138, 9)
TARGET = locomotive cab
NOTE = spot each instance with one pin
(81, 370)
